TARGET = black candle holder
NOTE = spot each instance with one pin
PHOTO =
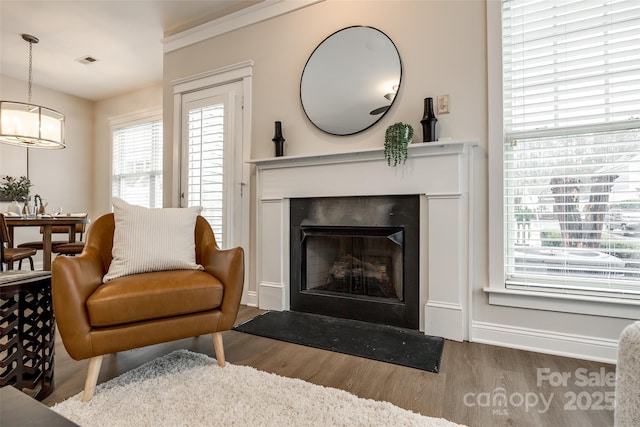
(428, 121)
(278, 140)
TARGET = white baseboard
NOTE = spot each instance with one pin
(251, 299)
(271, 296)
(549, 342)
(443, 319)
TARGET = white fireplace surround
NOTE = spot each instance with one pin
(440, 172)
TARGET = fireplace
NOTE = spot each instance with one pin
(356, 258)
(439, 173)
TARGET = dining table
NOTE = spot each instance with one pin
(46, 222)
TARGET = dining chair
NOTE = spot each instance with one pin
(74, 248)
(56, 229)
(10, 255)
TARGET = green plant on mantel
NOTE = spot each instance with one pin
(396, 141)
(15, 188)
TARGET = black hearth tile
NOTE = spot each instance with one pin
(384, 343)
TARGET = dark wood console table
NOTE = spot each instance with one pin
(27, 332)
(19, 410)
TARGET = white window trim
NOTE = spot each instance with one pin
(497, 291)
(125, 120)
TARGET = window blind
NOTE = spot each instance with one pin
(137, 163)
(206, 165)
(571, 102)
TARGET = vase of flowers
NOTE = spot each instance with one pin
(15, 189)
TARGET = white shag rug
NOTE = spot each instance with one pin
(189, 389)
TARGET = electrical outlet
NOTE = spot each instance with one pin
(442, 106)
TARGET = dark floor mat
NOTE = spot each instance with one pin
(390, 344)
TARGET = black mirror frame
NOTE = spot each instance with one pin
(391, 103)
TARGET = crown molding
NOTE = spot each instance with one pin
(242, 18)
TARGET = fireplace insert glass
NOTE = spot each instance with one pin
(360, 262)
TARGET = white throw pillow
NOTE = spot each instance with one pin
(147, 240)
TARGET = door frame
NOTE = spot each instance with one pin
(242, 72)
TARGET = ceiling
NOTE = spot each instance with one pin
(124, 36)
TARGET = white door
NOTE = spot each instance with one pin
(211, 165)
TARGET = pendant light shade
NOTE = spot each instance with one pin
(29, 125)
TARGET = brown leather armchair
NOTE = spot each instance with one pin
(133, 311)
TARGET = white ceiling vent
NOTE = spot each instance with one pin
(86, 60)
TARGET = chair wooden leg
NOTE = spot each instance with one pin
(219, 348)
(92, 377)
(31, 263)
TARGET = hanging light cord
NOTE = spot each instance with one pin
(30, 68)
(31, 40)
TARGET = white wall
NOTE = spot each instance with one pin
(280, 47)
(443, 49)
(63, 177)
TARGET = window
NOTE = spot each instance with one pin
(136, 175)
(212, 147)
(206, 164)
(571, 149)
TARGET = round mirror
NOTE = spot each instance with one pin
(350, 80)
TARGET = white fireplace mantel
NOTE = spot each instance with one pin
(440, 172)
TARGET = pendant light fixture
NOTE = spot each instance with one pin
(29, 125)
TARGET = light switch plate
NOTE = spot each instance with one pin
(442, 104)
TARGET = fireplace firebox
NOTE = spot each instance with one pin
(356, 258)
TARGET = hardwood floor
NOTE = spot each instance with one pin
(467, 390)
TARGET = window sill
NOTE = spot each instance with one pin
(565, 303)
